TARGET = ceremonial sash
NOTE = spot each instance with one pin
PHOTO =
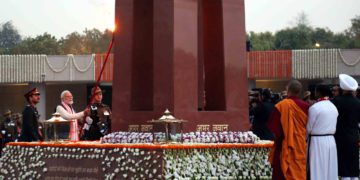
(74, 129)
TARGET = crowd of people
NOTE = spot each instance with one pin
(315, 135)
(90, 124)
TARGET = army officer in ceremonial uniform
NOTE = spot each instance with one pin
(30, 126)
(98, 123)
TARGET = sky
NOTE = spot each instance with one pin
(62, 17)
(273, 15)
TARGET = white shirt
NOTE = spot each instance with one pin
(68, 116)
(322, 118)
(322, 152)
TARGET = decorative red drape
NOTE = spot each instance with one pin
(269, 64)
(107, 75)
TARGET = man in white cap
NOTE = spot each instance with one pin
(347, 134)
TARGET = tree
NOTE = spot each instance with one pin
(105, 41)
(342, 40)
(262, 41)
(296, 37)
(354, 31)
(293, 38)
(355, 27)
(302, 20)
(73, 44)
(96, 41)
(91, 40)
(9, 37)
(42, 44)
(323, 36)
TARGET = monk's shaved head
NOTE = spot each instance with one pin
(294, 88)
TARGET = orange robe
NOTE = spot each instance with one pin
(293, 146)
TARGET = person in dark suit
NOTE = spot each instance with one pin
(30, 126)
(347, 133)
(261, 116)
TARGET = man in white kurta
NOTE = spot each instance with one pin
(67, 112)
(321, 127)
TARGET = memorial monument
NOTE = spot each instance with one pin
(184, 55)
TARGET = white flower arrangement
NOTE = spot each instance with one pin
(128, 137)
(115, 163)
(243, 163)
(220, 137)
(191, 137)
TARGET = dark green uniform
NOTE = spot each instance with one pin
(30, 125)
(8, 130)
(101, 125)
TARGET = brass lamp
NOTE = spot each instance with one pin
(56, 125)
(170, 128)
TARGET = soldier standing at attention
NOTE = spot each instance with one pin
(30, 126)
(8, 128)
(98, 123)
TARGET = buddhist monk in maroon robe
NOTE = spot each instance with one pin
(288, 123)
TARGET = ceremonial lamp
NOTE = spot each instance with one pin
(169, 122)
(55, 121)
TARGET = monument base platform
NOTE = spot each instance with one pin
(92, 160)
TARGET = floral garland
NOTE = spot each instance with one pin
(119, 163)
(91, 64)
(220, 137)
(243, 163)
(346, 62)
(13, 164)
(127, 137)
(314, 63)
(71, 59)
(72, 62)
(22, 68)
(31, 68)
(30, 162)
(57, 70)
(131, 154)
(34, 160)
(96, 144)
(191, 137)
